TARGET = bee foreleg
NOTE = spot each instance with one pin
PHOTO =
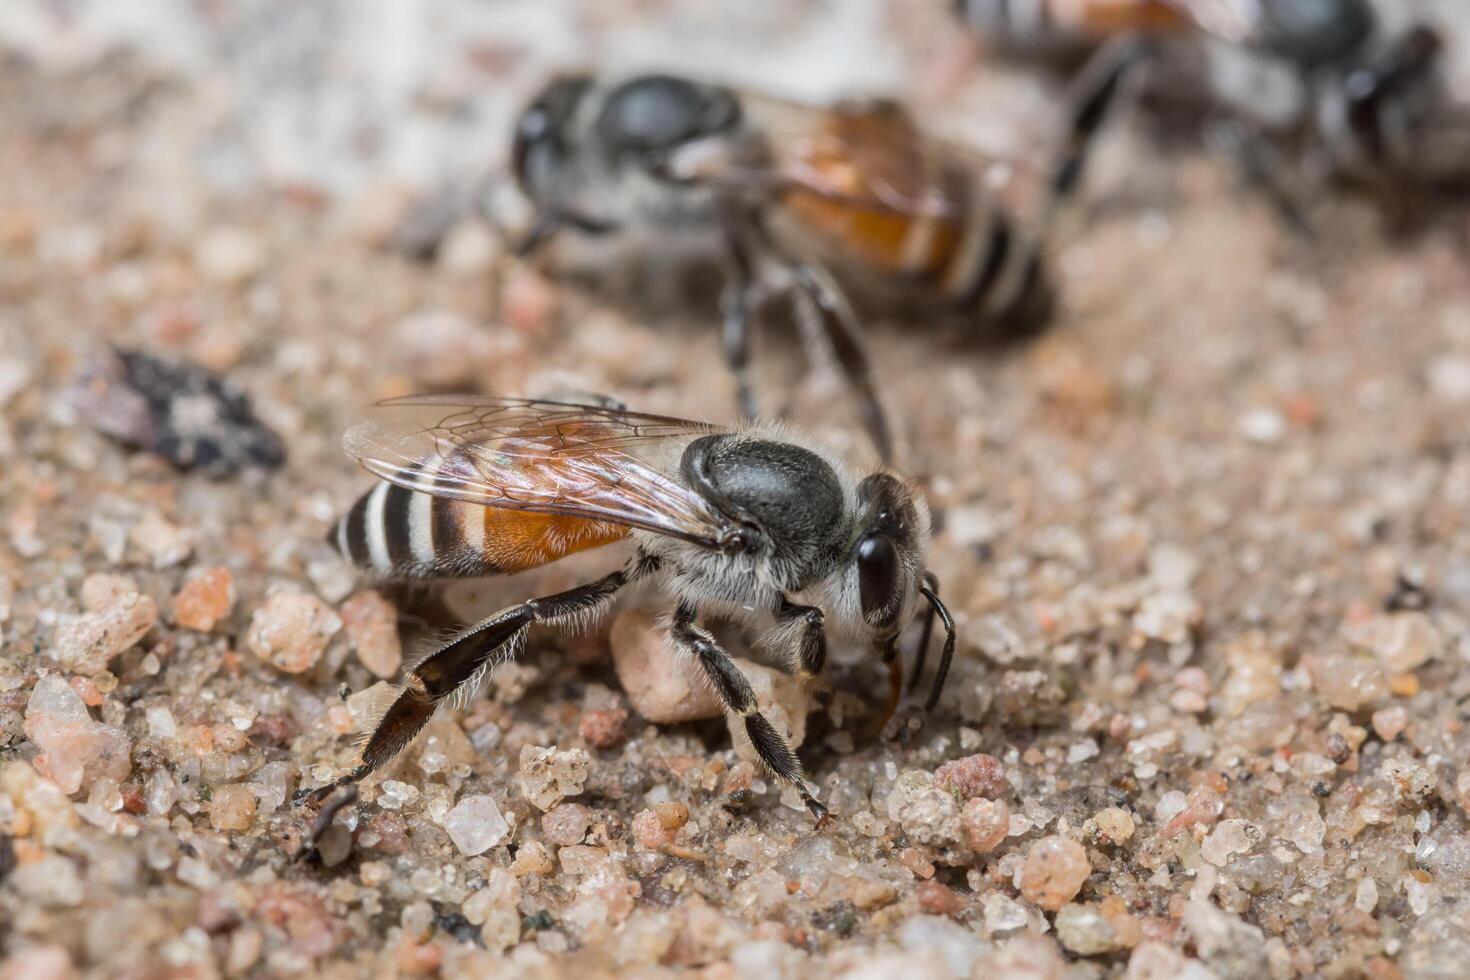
(806, 639)
(771, 747)
(839, 325)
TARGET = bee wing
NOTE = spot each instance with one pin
(1228, 20)
(586, 461)
(868, 154)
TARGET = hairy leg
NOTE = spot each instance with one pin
(735, 691)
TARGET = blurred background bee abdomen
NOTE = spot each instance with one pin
(882, 199)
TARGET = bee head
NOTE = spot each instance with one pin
(647, 116)
(888, 553)
(541, 139)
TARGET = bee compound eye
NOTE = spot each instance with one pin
(877, 562)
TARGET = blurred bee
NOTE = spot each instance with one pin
(1305, 33)
(748, 524)
(1317, 79)
(857, 188)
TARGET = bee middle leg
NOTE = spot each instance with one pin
(462, 662)
(735, 311)
(735, 691)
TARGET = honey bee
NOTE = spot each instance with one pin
(1303, 32)
(747, 523)
(1065, 29)
(1318, 80)
(856, 188)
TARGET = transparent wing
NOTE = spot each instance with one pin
(587, 461)
(868, 154)
(1229, 20)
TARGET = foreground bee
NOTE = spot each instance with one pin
(742, 523)
(857, 188)
(1319, 79)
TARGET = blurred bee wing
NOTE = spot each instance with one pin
(1228, 20)
(868, 154)
(586, 461)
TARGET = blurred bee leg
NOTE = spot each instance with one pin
(735, 691)
(548, 222)
(1403, 63)
(1262, 167)
(840, 329)
(1091, 96)
(543, 228)
(735, 309)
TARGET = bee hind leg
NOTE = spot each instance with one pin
(459, 665)
(735, 691)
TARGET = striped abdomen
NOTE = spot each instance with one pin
(403, 534)
(975, 261)
(1042, 26)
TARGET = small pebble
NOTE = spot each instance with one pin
(1054, 871)
(232, 807)
(86, 645)
(206, 598)
(937, 899)
(1084, 930)
(476, 825)
(469, 251)
(972, 776)
(661, 685)
(371, 623)
(440, 349)
(547, 776)
(229, 255)
(603, 729)
(495, 908)
(1112, 825)
(929, 815)
(1347, 682)
(100, 590)
(1390, 723)
(566, 823)
(76, 750)
(532, 859)
(985, 824)
(291, 630)
(672, 815)
(650, 832)
(164, 543)
(1401, 641)
(1263, 425)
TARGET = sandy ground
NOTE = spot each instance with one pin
(1206, 541)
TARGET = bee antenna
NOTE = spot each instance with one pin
(938, 607)
(921, 652)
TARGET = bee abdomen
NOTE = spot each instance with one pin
(996, 276)
(402, 534)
